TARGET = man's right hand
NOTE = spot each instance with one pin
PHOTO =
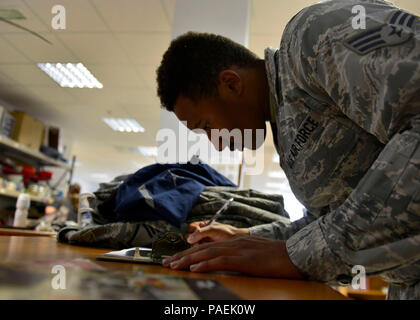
(199, 233)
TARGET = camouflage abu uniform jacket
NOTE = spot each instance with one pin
(347, 128)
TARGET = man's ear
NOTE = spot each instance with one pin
(230, 83)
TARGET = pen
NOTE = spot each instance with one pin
(220, 211)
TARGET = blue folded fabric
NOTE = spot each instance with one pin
(165, 192)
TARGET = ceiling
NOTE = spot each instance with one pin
(121, 43)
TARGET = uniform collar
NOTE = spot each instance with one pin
(271, 66)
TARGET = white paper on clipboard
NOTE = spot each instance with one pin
(137, 254)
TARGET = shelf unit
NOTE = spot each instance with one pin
(28, 155)
(15, 194)
(18, 151)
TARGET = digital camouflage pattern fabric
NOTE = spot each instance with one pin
(347, 129)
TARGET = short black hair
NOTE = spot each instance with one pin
(192, 63)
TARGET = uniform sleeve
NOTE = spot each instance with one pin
(378, 225)
(278, 230)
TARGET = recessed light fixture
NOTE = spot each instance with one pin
(123, 125)
(70, 75)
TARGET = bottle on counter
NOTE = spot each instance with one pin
(21, 214)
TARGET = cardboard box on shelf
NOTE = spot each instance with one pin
(28, 130)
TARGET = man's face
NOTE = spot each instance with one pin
(222, 112)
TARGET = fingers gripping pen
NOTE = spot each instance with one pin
(220, 211)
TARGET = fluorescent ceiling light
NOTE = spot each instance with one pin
(70, 75)
(123, 125)
(148, 151)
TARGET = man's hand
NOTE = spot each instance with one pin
(199, 233)
(249, 255)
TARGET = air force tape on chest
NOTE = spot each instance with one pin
(399, 28)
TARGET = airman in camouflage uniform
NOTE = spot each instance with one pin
(346, 121)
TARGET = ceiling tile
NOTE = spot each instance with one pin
(169, 8)
(112, 99)
(80, 15)
(145, 48)
(101, 98)
(26, 74)
(95, 48)
(271, 16)
(148, 73)
(51, 95)
(113, 75)
(133, 15)
(5, 80)
(31, 22)
(8, 54)
(19, 97)
(39, 51)
(147, 114)
(93, 130)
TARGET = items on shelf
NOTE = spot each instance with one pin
(16, 178)
(32, 133)
(7, 122)
(21, 214)
(26, 146)
(52, 153)
(52, 137)
(28, 130)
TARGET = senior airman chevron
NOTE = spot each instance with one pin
(403, 19)
(398, 30)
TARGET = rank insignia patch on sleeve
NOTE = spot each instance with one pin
(398, 30)
(403, 19)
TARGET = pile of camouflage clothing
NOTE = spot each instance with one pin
(249, 208)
